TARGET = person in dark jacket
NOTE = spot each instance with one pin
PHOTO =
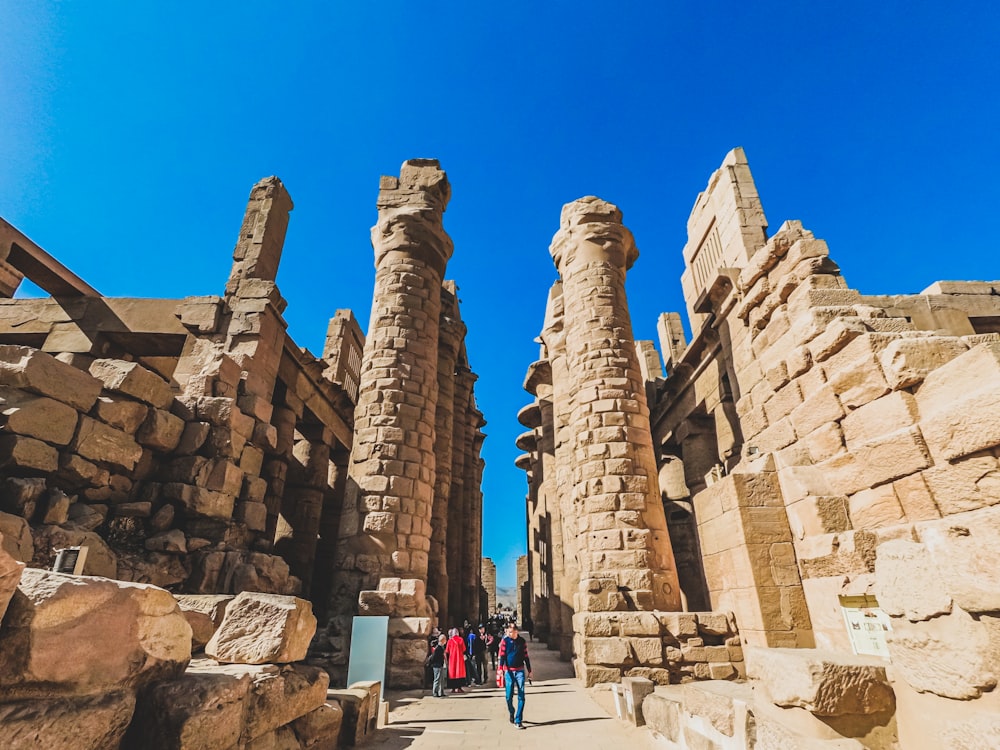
(437, 664)
(477, 643)
(514, 661)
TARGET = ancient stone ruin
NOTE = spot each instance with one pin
(238, 497)
(805, 493)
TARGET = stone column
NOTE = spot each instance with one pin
(624, 553)
(452, 332)
(385, 531)
(457, 520)
(473, 549)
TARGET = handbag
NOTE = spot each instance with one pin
(500, 671)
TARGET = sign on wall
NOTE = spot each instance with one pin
(867, 625)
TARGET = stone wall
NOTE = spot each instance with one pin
(489, 578)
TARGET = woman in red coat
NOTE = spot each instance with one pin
(455, 651)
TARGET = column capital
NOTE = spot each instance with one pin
(591, 230)
(410, 215)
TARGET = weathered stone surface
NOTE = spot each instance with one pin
(908, 583)
(204, 613)
(100, 442)
(978, 733)
(120, 413)
(168, 541)
(84, 723)
(965, 553)
(37, 416)
(15, 537)
(959, 404)
(663, 715)
(41, 373)
(952, 656)
(279, 695)
(10, 576)
(772, 735)
(203, 709)
(161, 431)
(263, 628)
(133, 380)
(20, 454)
(716, 702)
(355, 706)
(279, 739)
(908, 361)
(73, 635)
(826, 683)
(320, 728)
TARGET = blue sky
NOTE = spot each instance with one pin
(130, 134)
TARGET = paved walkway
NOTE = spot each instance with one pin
(558, 713)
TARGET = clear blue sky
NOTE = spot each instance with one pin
(130, 134)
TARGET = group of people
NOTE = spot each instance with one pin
(459, 659)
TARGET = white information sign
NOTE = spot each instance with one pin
(866, 624)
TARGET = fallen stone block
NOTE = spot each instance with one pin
(263, 628)
(100, 442)
(355, 706)
(634, 691)
(280, 694)
(120, 413)
(83, 723)
(37, 416)
(320, 728)
(71, 635)
(41, 373)
(203, 709)
(161, 431)
(10, 576)
(204, 613)
(133, 380)
(825, 683)
(20, 454)
(663, 715)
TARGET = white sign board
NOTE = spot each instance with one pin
(867, 625)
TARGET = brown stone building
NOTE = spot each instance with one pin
(192, 444)
(826, 462)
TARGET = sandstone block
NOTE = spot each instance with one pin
(681, 625)
(592, 674)
(355, 706)
(133, 380)
(966, 484)
(24, 454)
(890, 413)
(773, 735)
(84, 723)
(262, 628)
(10, 576)
(320, 728)
(279, 695)
(906, 362)
(857, 381)
(410, 627)
(821, 407)
(715, 623)
(965, 554)
(121, 414)
(161, 431)
(718, 703)
(15, 537)
(663, 715)
(952, 656)
(100, 442)
(907, 581)
(198, 501)
(818, 514)
(204, 613)
(959, 404)
(72, 635)
(41, 373)
(890, 457)
(638, 624)
(980, 731)
(203, 709)
(825, 683)
(37, 416)
(172, 541)
(875, 508)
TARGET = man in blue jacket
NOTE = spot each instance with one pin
(513, 658)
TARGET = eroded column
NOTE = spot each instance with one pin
(385, 532)
(623, 549)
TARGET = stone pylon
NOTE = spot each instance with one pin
(622, 546)
(385, 530)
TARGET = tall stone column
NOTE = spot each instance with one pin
(452, 332)
(457, 518)
(624, 553)
(385, 530)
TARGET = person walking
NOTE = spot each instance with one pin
(514, 661)
(492, 645)
(455, 652)
(437, 665)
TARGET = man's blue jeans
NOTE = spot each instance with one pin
(511, 678)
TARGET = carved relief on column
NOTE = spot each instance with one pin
(624, 553)
(457, 518)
